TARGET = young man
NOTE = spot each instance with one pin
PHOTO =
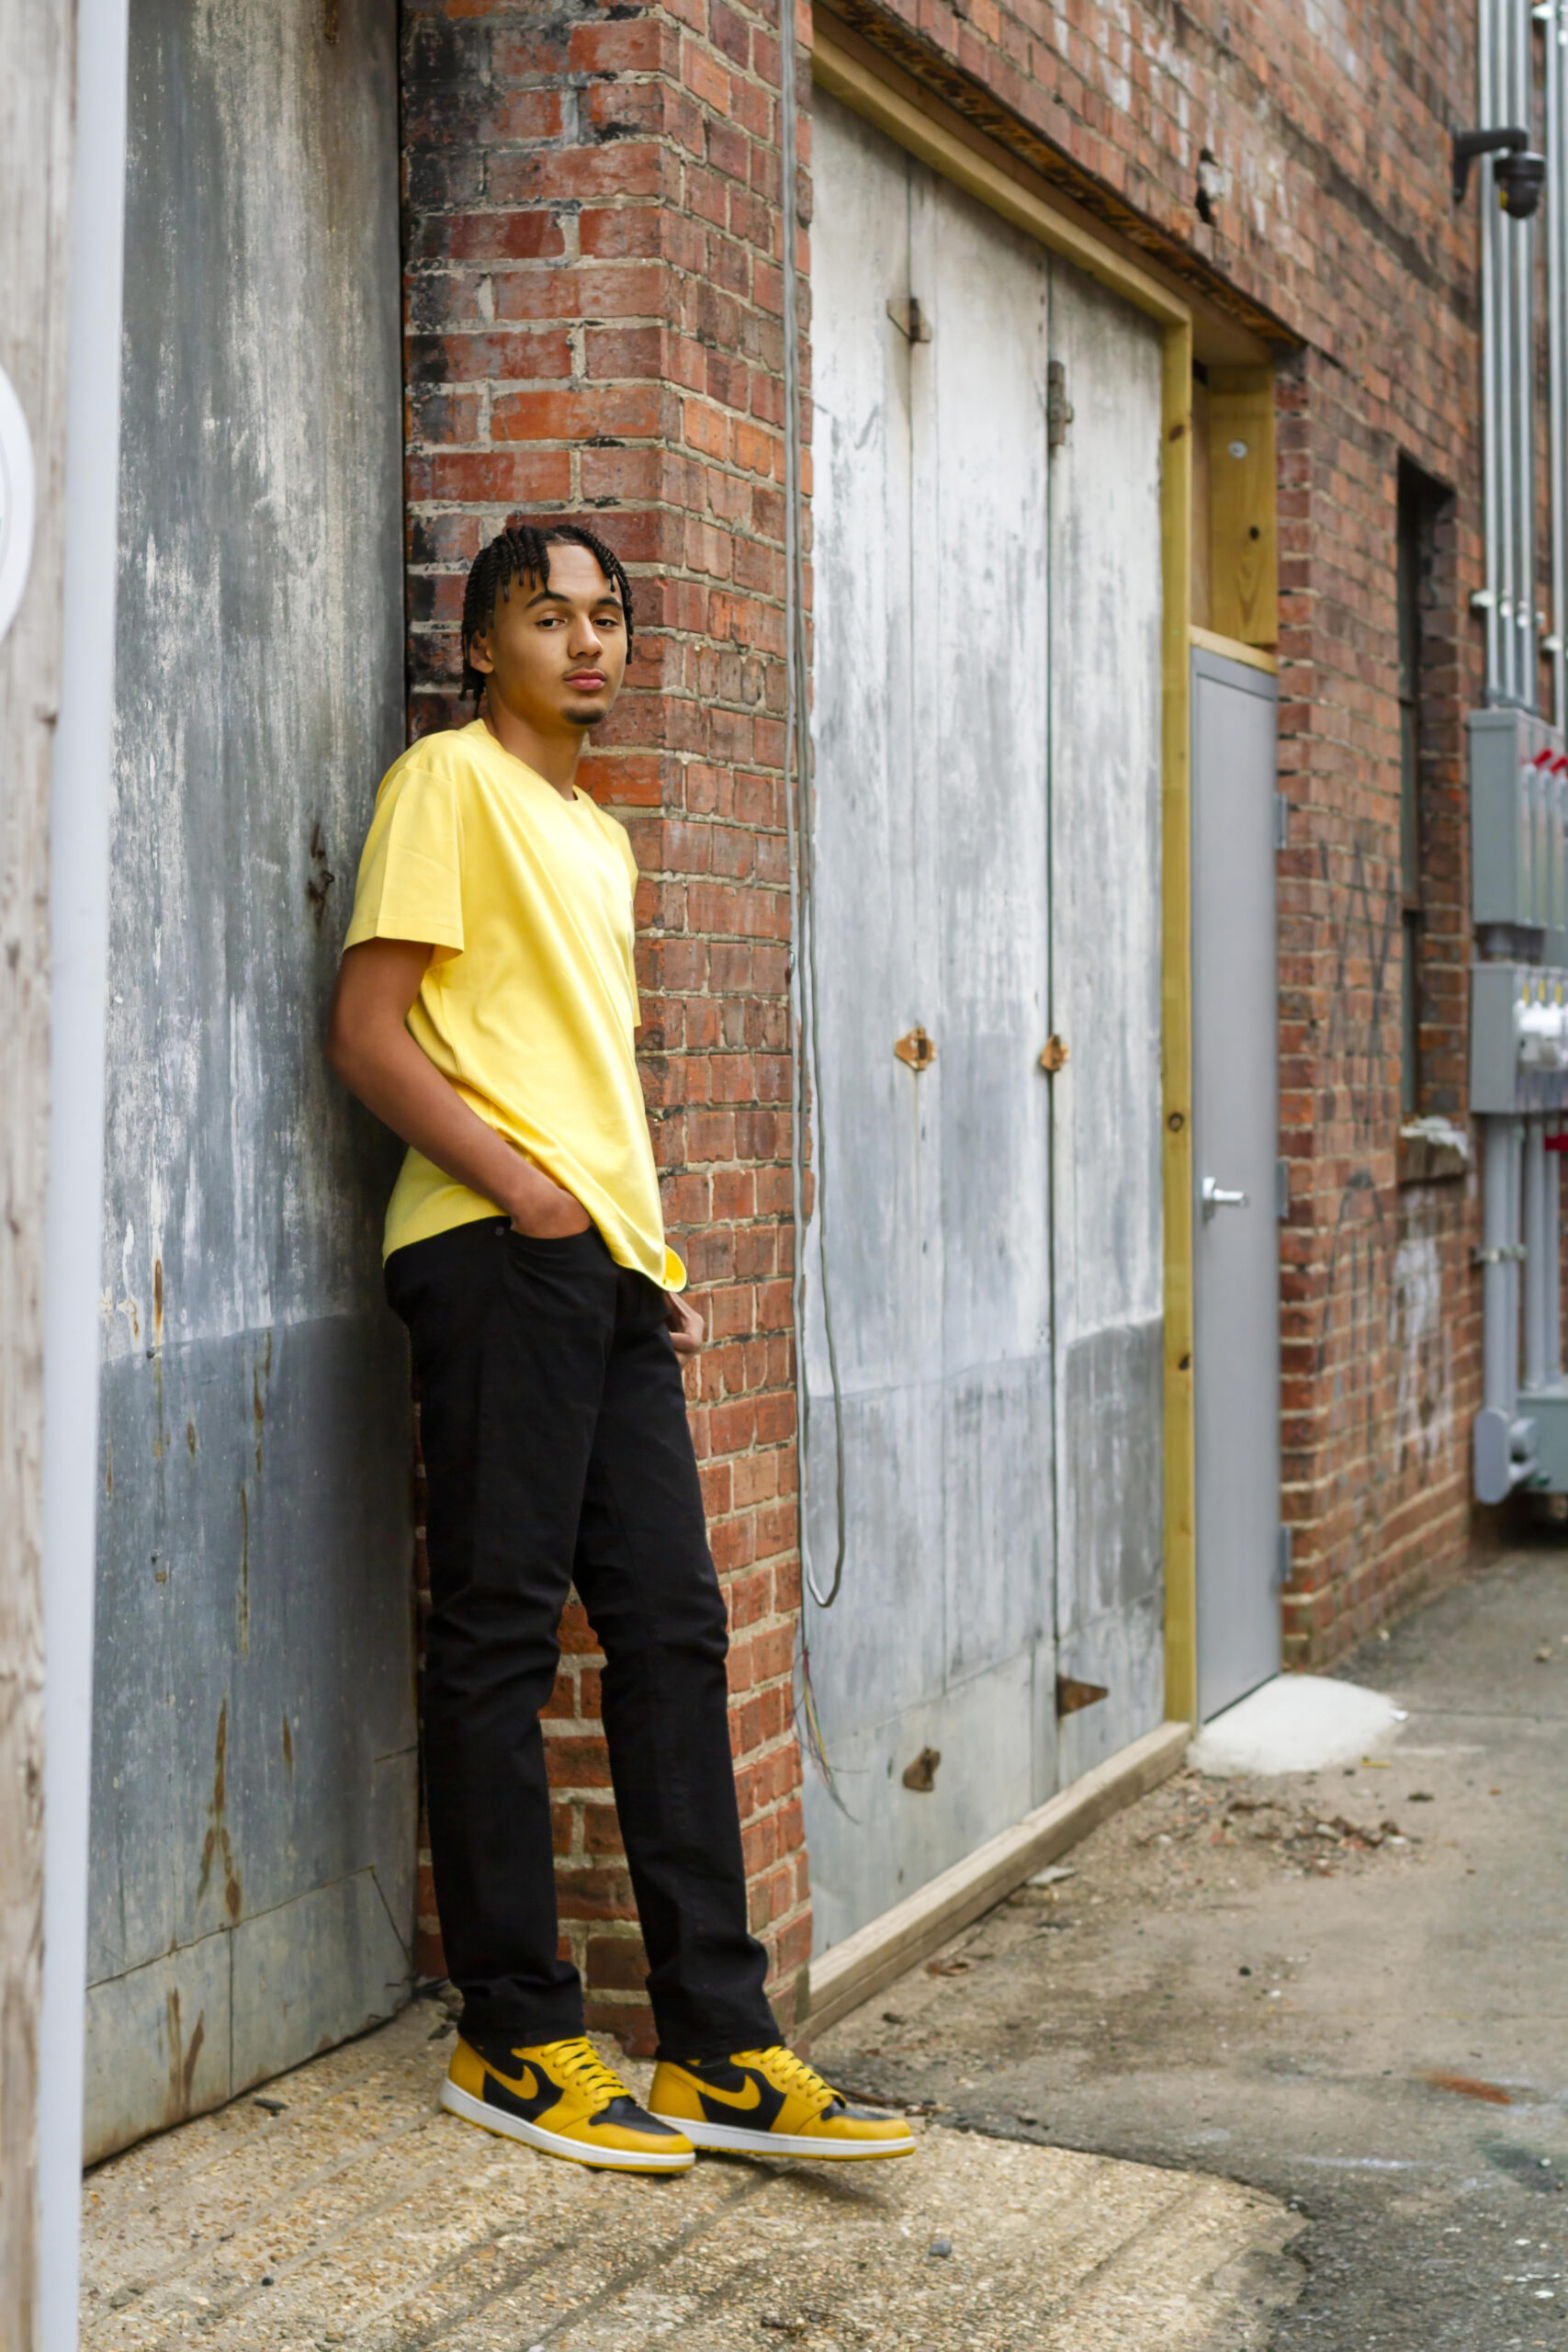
(486, 1011)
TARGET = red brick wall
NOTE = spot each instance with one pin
(593, 296)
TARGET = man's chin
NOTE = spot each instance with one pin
(586, 713)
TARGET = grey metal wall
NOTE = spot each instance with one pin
(253, 1755)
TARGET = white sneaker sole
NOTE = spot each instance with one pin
(555, 2144)
(733, 2139)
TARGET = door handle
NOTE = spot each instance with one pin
(1215, 1197)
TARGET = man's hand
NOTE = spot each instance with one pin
(543, 1209)
(686, 1327)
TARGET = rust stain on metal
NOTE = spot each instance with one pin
(1467, 2086)
(287, 1744)
(157, 1302)
(921, 1775)
(182, 2060)
(1071, 1696)
(1055, 1054)
(244, 1627)
(190, 1438)
(259, 1378)
(916, 1048)
(109, 1465)
(218, 1840)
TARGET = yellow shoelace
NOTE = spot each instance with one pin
(788, 2073)
(579, 2063)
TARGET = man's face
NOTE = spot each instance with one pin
(556, 656)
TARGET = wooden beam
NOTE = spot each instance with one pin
(902, 119)
(1231, 649)
(1176, 1031)
(1244, 561)
(884, 1947)
(36, 41)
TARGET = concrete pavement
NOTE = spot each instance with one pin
(1348, 1989)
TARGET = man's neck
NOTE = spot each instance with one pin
(553, 757)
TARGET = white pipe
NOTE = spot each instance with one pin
(78, 914)
(1551, 1268)
(1534, 1268)
(1499, 1166)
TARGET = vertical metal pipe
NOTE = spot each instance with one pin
(1556, 35)
(1551, 1267)
(1534, 1271)
(1491, 422)
(1497, 1368)
(1521, 241)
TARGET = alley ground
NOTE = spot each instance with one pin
(1280, 2063)
(1348, 1989)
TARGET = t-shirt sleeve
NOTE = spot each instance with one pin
(630, 855)
(411, 881)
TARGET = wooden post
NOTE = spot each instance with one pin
(37, 40)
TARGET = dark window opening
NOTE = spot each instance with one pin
(1419, 503)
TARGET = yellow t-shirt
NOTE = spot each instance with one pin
(529, 1004)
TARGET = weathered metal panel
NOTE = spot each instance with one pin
(1105, 995)
(987, 865)
(930, 533)
(254, 1707)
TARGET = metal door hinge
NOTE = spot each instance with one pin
(1071, 1696)
(1282, 821)
(909, 319)
(1283, 1190)
(916, 1048)
(1055, 1054)
(1058, 408)
(1282, 1557)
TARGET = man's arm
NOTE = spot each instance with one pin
(369, 1047)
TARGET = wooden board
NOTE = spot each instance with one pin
(1243, 538)
(36, 130)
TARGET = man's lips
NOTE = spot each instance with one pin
(586, 681)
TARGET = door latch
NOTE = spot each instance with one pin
(1215, 1197)
(916, 1048)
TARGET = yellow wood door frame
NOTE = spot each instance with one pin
(856, 85)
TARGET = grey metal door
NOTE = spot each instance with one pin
(947, 663)
(1235, 1088)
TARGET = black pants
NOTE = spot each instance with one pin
(558, 1452)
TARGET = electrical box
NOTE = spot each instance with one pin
(1518, 817)
(1518, 1038)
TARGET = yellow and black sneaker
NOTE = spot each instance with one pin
(561, 2097)
(770, 2103)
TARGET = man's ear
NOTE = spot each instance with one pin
(479, 655)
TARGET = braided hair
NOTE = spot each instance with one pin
(521, 551)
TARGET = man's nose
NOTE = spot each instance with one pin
(585, 639)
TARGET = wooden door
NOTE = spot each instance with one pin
(938, 629)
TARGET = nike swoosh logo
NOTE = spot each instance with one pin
(742, 2101)
(523, 2084)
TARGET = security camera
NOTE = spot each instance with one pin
(1520, 175)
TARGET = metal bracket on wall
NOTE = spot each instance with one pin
(916, 1048)
(1058, 408)
(1504, 1253)
(910, 319)
(1072, 1696)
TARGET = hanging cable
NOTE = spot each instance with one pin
(799, 802)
